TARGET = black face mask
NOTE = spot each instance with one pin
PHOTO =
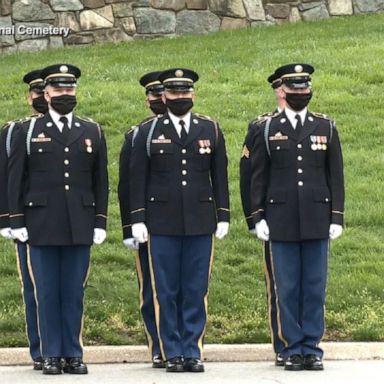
(39, 104)
(63, 104)
(179, 107)
(157, 106)
(298, 101)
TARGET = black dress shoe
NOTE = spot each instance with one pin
(51, 366)
(75, 365)
(174, 365)
(279, 360)
(313, 363)
(38, 364)
(193, 365)
(294, 363)
(157, 361)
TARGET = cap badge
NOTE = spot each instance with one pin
(298, 68)
(179, 73)
(63, 69)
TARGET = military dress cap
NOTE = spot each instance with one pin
(295, 75)
(150, 81)
(61, 75)
(179, 79)
(34, 80)
(274, 80)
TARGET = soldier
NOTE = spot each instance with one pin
(39, 105)
(245, 189)
(58, 194)
(179, 195)
(153, 90)
(297, 197)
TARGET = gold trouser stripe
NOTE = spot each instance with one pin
(325, 294)
(82, 316)
(30, 270)
(22, 290)
(140, 277)
(269, 292)
(201, 338)
(279, 328)
(155, 301)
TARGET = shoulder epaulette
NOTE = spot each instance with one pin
(205, 117)
(132, 129)
(87, 119)
(147, 120)
(259, 119)
(321, 115)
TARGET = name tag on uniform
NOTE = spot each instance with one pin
(40, 139)
(274, 138)
(161, 141)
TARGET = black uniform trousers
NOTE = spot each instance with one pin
(29, 299)
(180, 271)
(60, 274)
(147, 308)
(300, 272)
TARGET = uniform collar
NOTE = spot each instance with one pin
(291, 115)
(176, 119)
(56, 118)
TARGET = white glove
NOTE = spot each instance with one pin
(140, 232)
(222, 229)
(335, 230)
(131, 243)
(262, 230)
(20, 234)
(6, 233)
(99, 235)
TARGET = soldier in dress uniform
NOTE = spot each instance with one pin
(58, 195)
(245, 192)
(297, 198)
(179, 199)
(153, 90)
(39, 105)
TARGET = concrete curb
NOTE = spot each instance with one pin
(213, 352)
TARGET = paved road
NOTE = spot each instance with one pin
(336, 372)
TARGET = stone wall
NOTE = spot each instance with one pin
(40, 24)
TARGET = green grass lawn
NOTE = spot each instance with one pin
(347, 54)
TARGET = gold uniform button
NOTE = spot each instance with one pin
(183, 150)
(184, 183)
(299, 158)
(40, 150)
(66, 162)
(161, 150)
(326, 199)
(184, 161)
(278, 148)
(271, 201)
(66, 149)
(152, 199)
(300, 183)
(184, 172)
(210, 198)
(67, 187)
(30, 204)
(66, 174)
(299, 146)
(300, 170)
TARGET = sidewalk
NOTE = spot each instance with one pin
(336, 372)
(213, 353)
